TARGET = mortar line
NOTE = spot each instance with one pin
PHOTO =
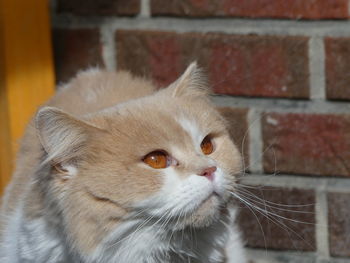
(145, 9)
(260, 256)
(254, 140)
(270, 256)
(224, 25)
(108, 47)
(340, 185)
(317, 68)
(321, 210)
(284, 105)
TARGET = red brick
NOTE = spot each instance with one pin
(237, 125)
(310, 144)
(291, 228)
(339, 224)
(267, 66)
(337, 68)
(100, 7)
(292, 9)
(74, 50)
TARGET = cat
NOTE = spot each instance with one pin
(113, 170)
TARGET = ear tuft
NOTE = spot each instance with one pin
(192, 82)
(62, 136)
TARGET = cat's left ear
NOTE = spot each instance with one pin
(191, 83)
(63, 137)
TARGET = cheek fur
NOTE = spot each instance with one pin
(181, 195)
(227, 156)
(119, 184)
(222, 182)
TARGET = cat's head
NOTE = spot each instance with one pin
(167, 156)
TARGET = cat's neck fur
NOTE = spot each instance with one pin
(187, 245)
(134, 241)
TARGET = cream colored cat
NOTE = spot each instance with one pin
(111, 170)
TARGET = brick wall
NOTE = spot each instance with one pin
(281, 72)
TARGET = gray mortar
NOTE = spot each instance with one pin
(322, 243)
(108, 48)
(255, 141)
(230, 26)
(263, 256)
(317, 68)
(145, 11)
(328, 184)
(284, 105)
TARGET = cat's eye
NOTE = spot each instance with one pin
(207, 145)
(157, 160)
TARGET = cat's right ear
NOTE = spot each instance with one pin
(191, 83)
(62, 136)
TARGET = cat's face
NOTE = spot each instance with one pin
(167, 156)
(170, 156)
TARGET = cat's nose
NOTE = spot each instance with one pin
(209, 172)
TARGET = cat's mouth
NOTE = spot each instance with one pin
(211, 195)
(206, 212)
(213, 199)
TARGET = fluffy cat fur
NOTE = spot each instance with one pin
(81, 192)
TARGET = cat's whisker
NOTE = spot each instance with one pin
(165, 222)
(269, 208)
(273, 205)
(244, 139)
(275, 218)
(243, 171)
(131, 234)
(129, 237)
(258, 187)
(165, 219)
(195, 238)
(267, 201)
(191, 236)
(139, 227)
(183, 229)
(175, 226)
(271, 213)
(257, 219)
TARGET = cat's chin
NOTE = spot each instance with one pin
(207, 212)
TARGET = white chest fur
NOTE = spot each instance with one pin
(34, 242)
(152, 244)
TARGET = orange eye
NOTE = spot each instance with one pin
(157, 160)
(207, 146)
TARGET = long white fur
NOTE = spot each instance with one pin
(148, 244)
(9, 247)
(30, 241)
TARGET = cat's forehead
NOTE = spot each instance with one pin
(192, 128)
(168, 120)
(162, 123)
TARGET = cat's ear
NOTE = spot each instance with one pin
(62, 136)
(191, 83)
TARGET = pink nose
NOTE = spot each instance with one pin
(209, 172)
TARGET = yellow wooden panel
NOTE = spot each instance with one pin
(5, 145)
(5, 137)
(28, 67)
